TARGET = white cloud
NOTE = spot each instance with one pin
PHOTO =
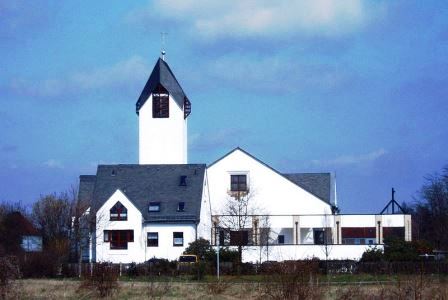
(53, 164)
(274, 73)
(262, 17)
(351, 159)
(120, 75)
(223, 138)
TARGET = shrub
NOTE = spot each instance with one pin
(9, 271)
(217, 287)
(161, 266)
(292, 280)
(202, 249)
(372, 254)
(103, 279)
(38, 265)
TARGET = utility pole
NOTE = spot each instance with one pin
(217, 254)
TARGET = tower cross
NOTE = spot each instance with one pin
(162, 41)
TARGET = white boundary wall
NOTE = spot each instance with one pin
(297, 252)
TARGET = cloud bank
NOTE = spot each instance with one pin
(351, 159)
(212, 19)
(124, 74)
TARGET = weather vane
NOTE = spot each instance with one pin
(162, 50)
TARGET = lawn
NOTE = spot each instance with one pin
(243, 287)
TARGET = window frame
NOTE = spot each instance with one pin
(154, 204)
(160, 103)
(156, 244)
(121, 210)
(281, 239)
(237, 184)
(181, 206)
(181, 237)
(118, 239)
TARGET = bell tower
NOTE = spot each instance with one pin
(162, 109)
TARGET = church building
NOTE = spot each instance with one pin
(157, 207)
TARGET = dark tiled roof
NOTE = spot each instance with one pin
(162, 74)
(86, 187)
(318, 184)
(153, 183)
(21, 224)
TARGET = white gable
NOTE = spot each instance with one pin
(271, 192)
(133, 222)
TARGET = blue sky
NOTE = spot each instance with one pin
(353, 87)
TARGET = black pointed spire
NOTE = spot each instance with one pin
(162, 74)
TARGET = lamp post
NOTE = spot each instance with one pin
(217, 254)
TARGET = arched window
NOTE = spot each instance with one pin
(160, 102)
(118, 212)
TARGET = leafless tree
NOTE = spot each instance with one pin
(327, 245)
(52, 215)
(241, 223)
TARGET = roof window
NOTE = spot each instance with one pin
(181, 206)
(183, 180)
(154, 207)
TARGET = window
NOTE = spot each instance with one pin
(238, 183)
(239, 238)
(181, 206)
(153, 239)
(160, 103)
(281, 239)
(397, 232)
(118, 212)
(183, 180)
(358, 235)
(154, 206)
(118, 239)
(319, 236)
(178, 239)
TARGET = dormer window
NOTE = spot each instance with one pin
(160, 102)
(181, 206)
(118, 212)
(238, 183)
(183, 180)
(154, 207)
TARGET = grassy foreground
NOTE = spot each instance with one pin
(411, 287)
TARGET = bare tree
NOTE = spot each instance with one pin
(52, 215)
(237, 220)
(327, 245)
(243, 223)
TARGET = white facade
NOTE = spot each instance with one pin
(138, 250)
(300, 224)
(271, 193)
(162, 140)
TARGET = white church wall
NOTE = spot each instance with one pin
(135, 252)
(166, 248)
(358, 221)
(162, 140)
(205, 224)
(393, 220)
(317, 221)
(270, 192)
